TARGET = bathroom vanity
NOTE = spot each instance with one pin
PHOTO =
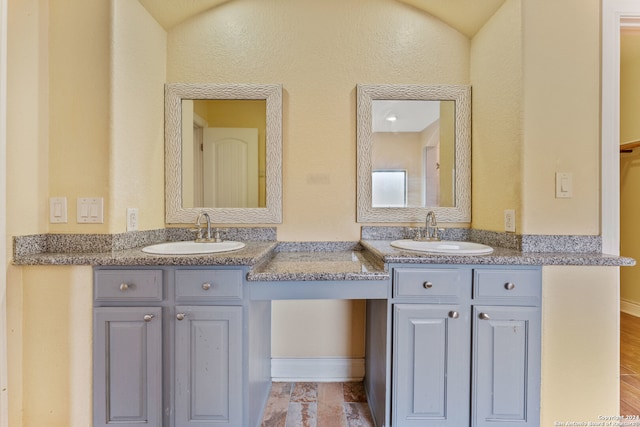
(178, 346)
(465, 345)
(451, 340)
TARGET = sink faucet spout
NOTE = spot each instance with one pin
(431, 225)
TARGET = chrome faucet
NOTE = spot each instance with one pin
(208, 238)
(431, 225)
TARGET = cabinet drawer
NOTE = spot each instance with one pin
(506, 283)
(208, 284)
(431, 282)
(125, 285)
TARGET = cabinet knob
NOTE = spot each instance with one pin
(206, 286)
(123, 287)
(484, 316)
(509, 286)
(180, 316)
(454, 314)
(427, 285)
(148, 317)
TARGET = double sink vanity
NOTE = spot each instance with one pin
(182, 328)
(452, 339)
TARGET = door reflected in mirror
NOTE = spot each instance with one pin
(230, 179)
(224, 153)
(413, 153)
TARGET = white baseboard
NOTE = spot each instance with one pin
(630, 307)
(317, 370)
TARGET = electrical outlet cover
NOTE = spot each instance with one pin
(132, 219)
(510, 220)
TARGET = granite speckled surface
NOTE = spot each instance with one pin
(252, 254)
(520, 242)
(500, 256)
(308, 261)
(97, 243)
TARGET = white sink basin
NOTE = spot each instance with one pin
(443, 247)
(192, 248)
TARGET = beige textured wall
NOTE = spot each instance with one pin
(561, 131)
(318, 51)
(630, 164)
(496, 78)
(79, 85)
(136, 146)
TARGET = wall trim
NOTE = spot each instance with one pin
(317, 369)
(630, 307)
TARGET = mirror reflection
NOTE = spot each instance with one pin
(413, 153)
(224, 153)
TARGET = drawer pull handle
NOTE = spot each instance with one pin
(124, 287)
(509, 286)
(206, 286)
(148, 317)
(427, 285)
(180, 316)
(454, 314)
(484, 316)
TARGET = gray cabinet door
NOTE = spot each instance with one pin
(127, 382)
(431, 356)
(208, 372)
(506, 359)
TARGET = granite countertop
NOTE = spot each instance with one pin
(253, 253)
(350, 264)
(270, 260)
(500, 256)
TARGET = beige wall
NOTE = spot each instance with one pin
(136, 143)
(630, 164)
(561, 122)
(497, 119)
(79, 86)
(533, 115)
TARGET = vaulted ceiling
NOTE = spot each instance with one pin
(466, 16)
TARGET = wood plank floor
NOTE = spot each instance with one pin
(629, 364)
(317, 405)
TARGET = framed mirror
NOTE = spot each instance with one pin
(223, 149)
(414, 153)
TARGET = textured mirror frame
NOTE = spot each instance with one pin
(461, 212)
(174, 94)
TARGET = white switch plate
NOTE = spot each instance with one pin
(564, 185)
(510, 220)
(58, 210)
(132, 219)
(90, 210)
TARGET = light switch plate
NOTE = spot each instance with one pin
(90, 210)
(58, 210)
(564, 185)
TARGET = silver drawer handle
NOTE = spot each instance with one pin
(180, 316)
(124, 287)
(206, 286)
(148, 317)
(509, 286)
(484, 316)
(454, 314)
(427, 285)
